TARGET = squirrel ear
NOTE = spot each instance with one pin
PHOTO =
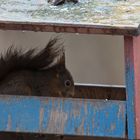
(62, 60)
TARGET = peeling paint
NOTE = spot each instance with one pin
(56, 124)
(111, 12)
(9, 123)
(62, 116)
(41, 117)
(80, 129)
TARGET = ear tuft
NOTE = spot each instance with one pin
(61, 60)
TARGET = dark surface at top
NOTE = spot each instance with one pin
(120, 17)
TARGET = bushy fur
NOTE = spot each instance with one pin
(15, 59)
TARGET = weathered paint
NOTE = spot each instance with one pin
(88, 16)
(103, 12)
(62, 116)
(132, 61)
(129, 72)
(69, 28)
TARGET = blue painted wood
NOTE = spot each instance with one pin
(62, 116)
(130, 90)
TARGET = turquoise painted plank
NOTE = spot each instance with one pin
(130, 85)
(62, 116)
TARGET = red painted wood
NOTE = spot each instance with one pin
(132, 63)
(70, 28)
(136, 45)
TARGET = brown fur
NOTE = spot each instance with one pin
(40, 74)
(15, 60)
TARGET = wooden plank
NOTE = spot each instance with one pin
(132, 67)
(31, 136)
(92, 91)
(68, 28)
(62, 116)
(91, 138)
(91, 17)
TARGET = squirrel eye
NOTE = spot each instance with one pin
(67, 83)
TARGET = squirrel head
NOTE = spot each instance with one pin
(61, 83)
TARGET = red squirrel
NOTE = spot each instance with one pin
(40, 74)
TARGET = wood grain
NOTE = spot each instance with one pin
(81, 117)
